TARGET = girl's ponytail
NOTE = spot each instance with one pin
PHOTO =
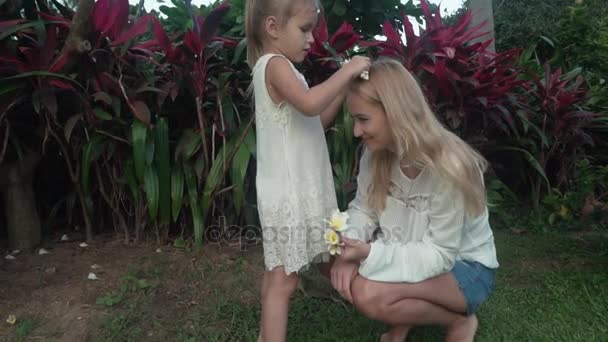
(253, 17)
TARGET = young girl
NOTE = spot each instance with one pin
(294, 181)
(434, 259)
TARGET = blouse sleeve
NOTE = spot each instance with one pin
(435, 254)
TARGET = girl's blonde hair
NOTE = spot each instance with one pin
(256, 12)
(419, 138)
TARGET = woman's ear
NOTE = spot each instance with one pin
(271, 25)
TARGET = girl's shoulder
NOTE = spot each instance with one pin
(263, 61)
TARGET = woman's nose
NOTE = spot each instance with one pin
(357, 131)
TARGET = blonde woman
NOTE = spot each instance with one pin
(434, 258)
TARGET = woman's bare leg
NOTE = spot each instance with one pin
(436, 301)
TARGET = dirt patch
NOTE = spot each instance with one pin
(53, 290)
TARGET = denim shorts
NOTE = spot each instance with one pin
(475, 281)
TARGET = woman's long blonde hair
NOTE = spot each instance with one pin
(256, 12)
(419, 138)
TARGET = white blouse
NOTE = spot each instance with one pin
(424, 229)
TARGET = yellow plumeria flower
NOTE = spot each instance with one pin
(332, 238)
(334, 249)
(12, 319)
(338, 221)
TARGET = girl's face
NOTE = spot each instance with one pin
(371, 124)
(294, 37)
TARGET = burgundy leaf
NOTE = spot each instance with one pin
(320, 32)
(392, 36)
(10, 23)
(99, 16)
(60, 61)
(212, 22)
(161, 38)
(344, 38)
(140, 27)
(58, 20)
(140, 110)
(227, 42)
(193, 42)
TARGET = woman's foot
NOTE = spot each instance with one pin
(462, 330)
(396, 334)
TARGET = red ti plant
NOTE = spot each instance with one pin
(192, 60)
(327, 52)
(469, 87)
(561, 127)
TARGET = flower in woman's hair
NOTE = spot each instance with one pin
(332, 238)
(338, 221)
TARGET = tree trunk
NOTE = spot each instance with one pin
(23, 222)
(482, 11)
(76, 43)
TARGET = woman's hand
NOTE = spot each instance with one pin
(354, 250)
(342, 274)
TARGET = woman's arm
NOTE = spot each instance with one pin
(435, 254)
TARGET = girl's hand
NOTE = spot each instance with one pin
(354, 250)
(342, 274)
(356, 66)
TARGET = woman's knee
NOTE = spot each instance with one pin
(366, 298)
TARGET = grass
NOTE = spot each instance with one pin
(550, 287)
(24, 328)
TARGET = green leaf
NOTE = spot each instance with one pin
(237, 175)
(177, 190)
(238, 52)
(164, 170)
(179, 243)
(151, 190)
(110, 299)
(40, 74)
(90, 152)
(130, 177)
(138, 135)
(36, 101)
(116, 105)
(69, 126)
(188, 144)
(250, 142)
(101, 96)
(6, 89)
(102, 114)
(339, 8)
(214, 176)
(151, 89)
(150, 149)
(531, 160)
(16, 28)
(197, 219)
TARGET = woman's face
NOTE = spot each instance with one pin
(371, 124)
